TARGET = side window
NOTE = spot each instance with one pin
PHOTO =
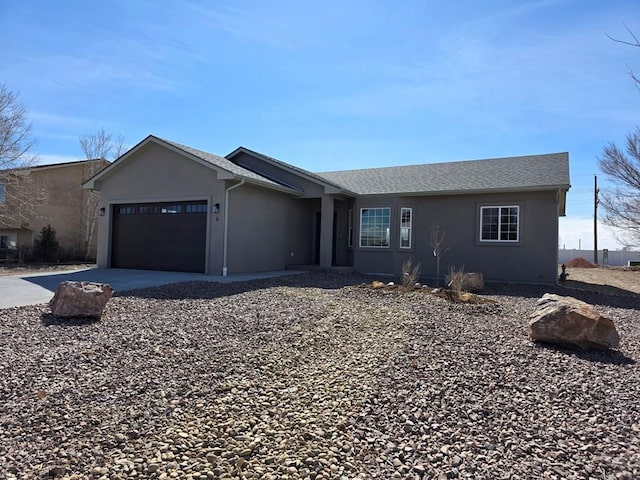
(406, 220)
(500, 223)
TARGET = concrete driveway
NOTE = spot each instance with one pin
(33, 289)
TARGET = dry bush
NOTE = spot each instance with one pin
(456, 281)
(410, 272)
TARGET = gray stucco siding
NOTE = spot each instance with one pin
(157, 174)
(533, 258)
(268, 230)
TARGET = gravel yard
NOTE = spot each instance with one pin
(304, 377)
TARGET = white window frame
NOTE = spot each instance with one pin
(500, 208)
(408, 229)
(387, 235)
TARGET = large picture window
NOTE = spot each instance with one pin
(406, 219)
(499, 224)
(375, 224)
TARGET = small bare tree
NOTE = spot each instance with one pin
(438, 241)
(95, 147)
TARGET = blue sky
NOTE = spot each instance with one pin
(334, 84)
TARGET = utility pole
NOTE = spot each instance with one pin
(595, 219)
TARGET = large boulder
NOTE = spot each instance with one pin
(570, 322)
(467, 282)
(80, 299)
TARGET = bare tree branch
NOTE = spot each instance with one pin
(19, 191)
(634, 43)
(621, 204)
(16, 139)
(97, 146)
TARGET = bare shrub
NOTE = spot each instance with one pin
(410, 272)
(456, 281)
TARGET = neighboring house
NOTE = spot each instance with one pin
(33, 197)
(167, 206)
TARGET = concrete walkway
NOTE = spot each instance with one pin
(33, 289)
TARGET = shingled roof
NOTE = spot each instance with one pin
(225, 164)
(534, 172)
(314, 177)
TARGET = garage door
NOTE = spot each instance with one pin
(160, 236)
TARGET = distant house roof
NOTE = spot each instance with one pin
(56, 165)
(549, 171)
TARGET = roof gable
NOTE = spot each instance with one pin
(290, 171)
(225, 169)
(535, 172)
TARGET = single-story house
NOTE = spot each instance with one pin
(166, 206)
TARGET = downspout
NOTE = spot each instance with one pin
(226, 226)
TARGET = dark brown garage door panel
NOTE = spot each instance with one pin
(160, 236)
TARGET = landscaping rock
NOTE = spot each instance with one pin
(318, 378)
(571, 322)
(469, 282)
(80, 299)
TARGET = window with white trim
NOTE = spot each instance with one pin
(406, 219)
(350, 231)
(499, 224)
(3, 193)
(375, 224)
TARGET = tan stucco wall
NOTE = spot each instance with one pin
(156, 174)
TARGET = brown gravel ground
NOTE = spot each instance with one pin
(314, 377)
